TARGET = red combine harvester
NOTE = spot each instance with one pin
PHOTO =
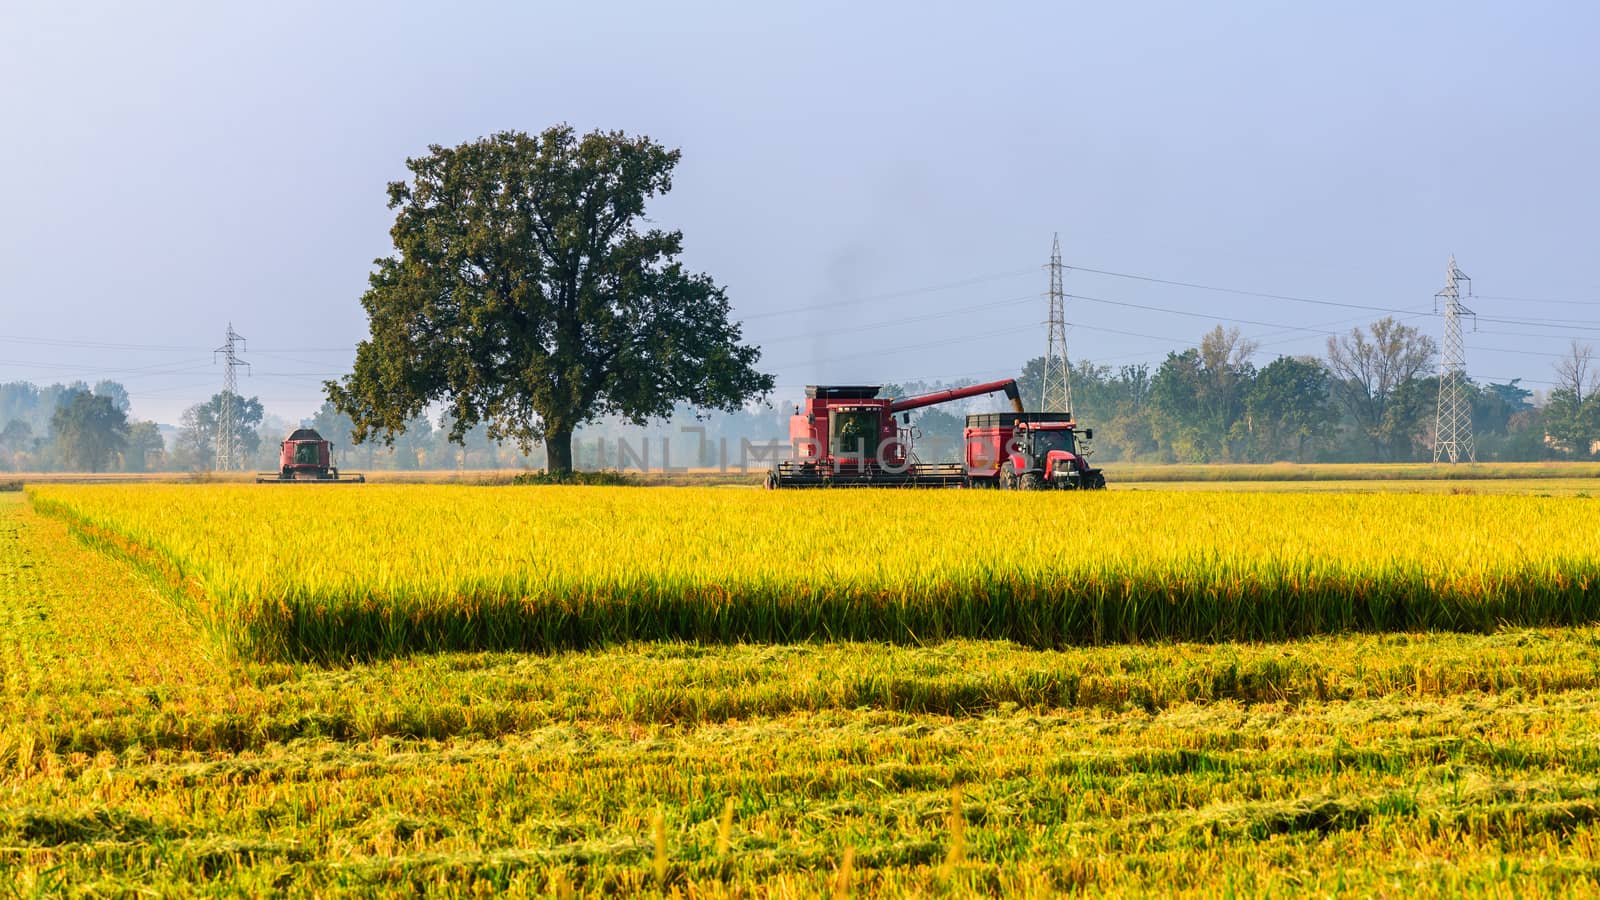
(846, 436)
(305, 458)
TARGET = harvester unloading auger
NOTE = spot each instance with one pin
(846, 436)
(305, 458)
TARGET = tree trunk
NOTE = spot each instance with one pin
(558, 451)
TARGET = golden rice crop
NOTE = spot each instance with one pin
(357, 572)
(135, 760)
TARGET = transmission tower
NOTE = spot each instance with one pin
(1056, 395)
(1452, 428)
(230, 443)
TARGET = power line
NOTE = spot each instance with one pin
(165, 368)
(1584, 324)
(1319, 329)
(1227, 290)
(1196, 315)
(909, 292)
(895, 323)
(882, 351)
(97, 345)
(1539, 300)
(1409, 314)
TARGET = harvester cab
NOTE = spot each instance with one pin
(305, 458)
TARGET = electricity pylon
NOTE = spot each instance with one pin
(230, 443)
(1452, 427)
(1056, 395)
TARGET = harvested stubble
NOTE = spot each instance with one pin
(385, 570)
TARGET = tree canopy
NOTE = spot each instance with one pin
(91, 430)
(1572, 415)
(523, 295)
(1379, 374)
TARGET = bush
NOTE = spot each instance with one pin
(601, 479)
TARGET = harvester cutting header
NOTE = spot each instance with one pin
(847, 436)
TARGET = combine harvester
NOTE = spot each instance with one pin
(846, 436)
(305, 458)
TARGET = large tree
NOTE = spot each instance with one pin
(1572, 416)
(1199, 397)
(523, 295)
(145, 447)
(1375, 368)
(16, 439)
(90, 430)
(116, 393)
(1288, 409)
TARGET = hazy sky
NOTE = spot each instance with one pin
(168, 169)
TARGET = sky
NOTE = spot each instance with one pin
(876, 185)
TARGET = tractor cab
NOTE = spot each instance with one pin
(1038, 443)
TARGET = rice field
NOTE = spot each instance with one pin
(169, 730)
(1300, 473)
(377, 570)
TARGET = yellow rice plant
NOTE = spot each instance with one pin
(333, 574)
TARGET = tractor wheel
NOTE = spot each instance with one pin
(1008, 476)
(1098, 482)
(1031, 482)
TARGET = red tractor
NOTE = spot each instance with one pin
(1029, 452)
(305, 458)
(848, 436)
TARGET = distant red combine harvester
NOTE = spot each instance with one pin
(305, 458)
(846, 436)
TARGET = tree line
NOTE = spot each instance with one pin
(1372, 397)
(77, 427)
(74, 427)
